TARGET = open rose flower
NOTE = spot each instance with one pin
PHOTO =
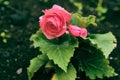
(53, 22)
(77, 31)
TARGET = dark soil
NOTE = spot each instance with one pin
(20, 18)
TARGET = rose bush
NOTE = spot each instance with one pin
(71, 53)
(53, 22)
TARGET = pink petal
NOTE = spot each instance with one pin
(64, 12)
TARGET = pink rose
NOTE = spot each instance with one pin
(77, 31)
(53, 22)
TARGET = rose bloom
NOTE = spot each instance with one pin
(77, 31)
(53, 22)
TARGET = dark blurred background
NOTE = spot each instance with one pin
(19, 20)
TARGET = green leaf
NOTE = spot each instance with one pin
(93, 62)
(79, 6)
(35, 64)
(49, 65)
(61, 75)
(36, 38)
(59, 50)
(100, 9)
(78, 20)
(105, 42)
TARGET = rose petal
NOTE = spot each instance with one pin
(65, 13)
(53, 22)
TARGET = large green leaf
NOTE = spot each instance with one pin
(93, 62)
(59, 50)
(61, 75)
(35, 64)
(105, 42)
(78, 20)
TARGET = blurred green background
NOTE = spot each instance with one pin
(19, 20)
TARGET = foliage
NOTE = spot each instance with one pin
(36, 63)
(4, 2)
(83, 21)
(106, 42)
(5, 36)
(62, 47)
(61, 75)
(92, 59)
(92, 55)
(101, 10)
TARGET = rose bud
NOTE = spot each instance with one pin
(77, 31)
